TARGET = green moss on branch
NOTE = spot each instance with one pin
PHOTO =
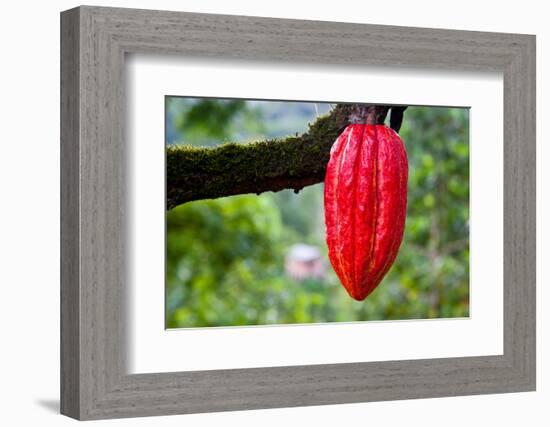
(195, 173)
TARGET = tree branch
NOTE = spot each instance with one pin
(195, 173)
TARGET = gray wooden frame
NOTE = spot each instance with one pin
(94, 41)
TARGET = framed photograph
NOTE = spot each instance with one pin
(261, 213)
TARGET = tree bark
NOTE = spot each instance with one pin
(195, 173)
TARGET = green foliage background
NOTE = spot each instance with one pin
(225, 257)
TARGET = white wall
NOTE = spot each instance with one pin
(29, 226)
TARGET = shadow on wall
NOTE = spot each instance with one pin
(51, 405)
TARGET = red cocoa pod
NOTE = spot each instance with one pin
(365, 205)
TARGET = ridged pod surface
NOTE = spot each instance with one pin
(365, 205)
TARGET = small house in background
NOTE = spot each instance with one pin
(304, 262)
